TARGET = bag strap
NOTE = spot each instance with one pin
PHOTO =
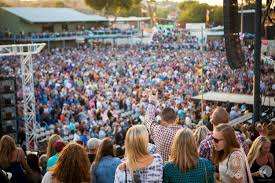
(125, 173)
(205, 171)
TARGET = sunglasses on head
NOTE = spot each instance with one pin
(216, 140)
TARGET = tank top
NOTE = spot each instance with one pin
(18, 175)
(255, 167)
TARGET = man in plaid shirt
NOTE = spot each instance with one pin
(162, 134)
(219, 116)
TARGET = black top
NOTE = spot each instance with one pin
(255, 167)
(18, 175)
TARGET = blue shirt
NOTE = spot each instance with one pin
(52, 161)
(104, 171)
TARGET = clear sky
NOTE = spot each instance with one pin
(210, 2)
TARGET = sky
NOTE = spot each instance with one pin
(210, 2)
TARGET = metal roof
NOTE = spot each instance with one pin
(129, 19)
(51, 15)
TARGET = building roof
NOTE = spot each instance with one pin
(129, 19)
(51, 15)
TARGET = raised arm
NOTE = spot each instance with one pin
(150, 122)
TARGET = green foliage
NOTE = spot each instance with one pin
(216, 15)
(135, 10)
(195, 12)
(113, 7)
(59, 4)
(162, 13)
(192, 12)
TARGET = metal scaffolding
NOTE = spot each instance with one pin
(25, 51)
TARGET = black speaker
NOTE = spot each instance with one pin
(8, 107)
(234, 53)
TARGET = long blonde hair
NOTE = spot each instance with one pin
(255, 149)
(72, 165)
(50, 149)
(136, 143)
(7, 146)
(200, 133)
(184, 150)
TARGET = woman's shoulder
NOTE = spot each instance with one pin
(207, 163)
(236, 154)
(47, 177)
(169, 164)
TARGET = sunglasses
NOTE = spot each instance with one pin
(216, 140)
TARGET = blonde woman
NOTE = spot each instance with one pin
(201, 133)
(259, 156)
(229, 157)
(50, 149)
(72, 166)
(12, 159)
(184, 164)
(139, 165)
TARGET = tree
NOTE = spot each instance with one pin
(112, 7)
(192, 12)
(162, 13)
(195, 12)
(216, 15)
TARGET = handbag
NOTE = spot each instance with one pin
(205, 171)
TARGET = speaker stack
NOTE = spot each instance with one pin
(8, 107)
(234, 54)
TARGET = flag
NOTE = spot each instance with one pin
(199, 70)
(207, 16)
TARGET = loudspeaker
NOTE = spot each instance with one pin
(8, 106)
(234, 53)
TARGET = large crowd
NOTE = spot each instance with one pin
(129, 111)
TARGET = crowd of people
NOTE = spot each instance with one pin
(130, 112)
(154, 151)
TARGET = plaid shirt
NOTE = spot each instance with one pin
(206, 146)
(161, 135)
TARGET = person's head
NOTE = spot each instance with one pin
(184, 150)
(58, 146)
(168, 115)
(105, 148)
(261, 146)
(43, 161)
(7, 146)
(119, 151)
(50, 149)
(200, 133)
(224, 141)
(136, 144)
(92, 145)
(219, 116)
(33, 162)
(72, 165)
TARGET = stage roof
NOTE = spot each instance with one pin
(52, 15)
(235, 98)
(129, 19)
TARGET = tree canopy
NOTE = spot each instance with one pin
(114, 7)
(194, 12)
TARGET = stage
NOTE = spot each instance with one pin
(235, 98)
